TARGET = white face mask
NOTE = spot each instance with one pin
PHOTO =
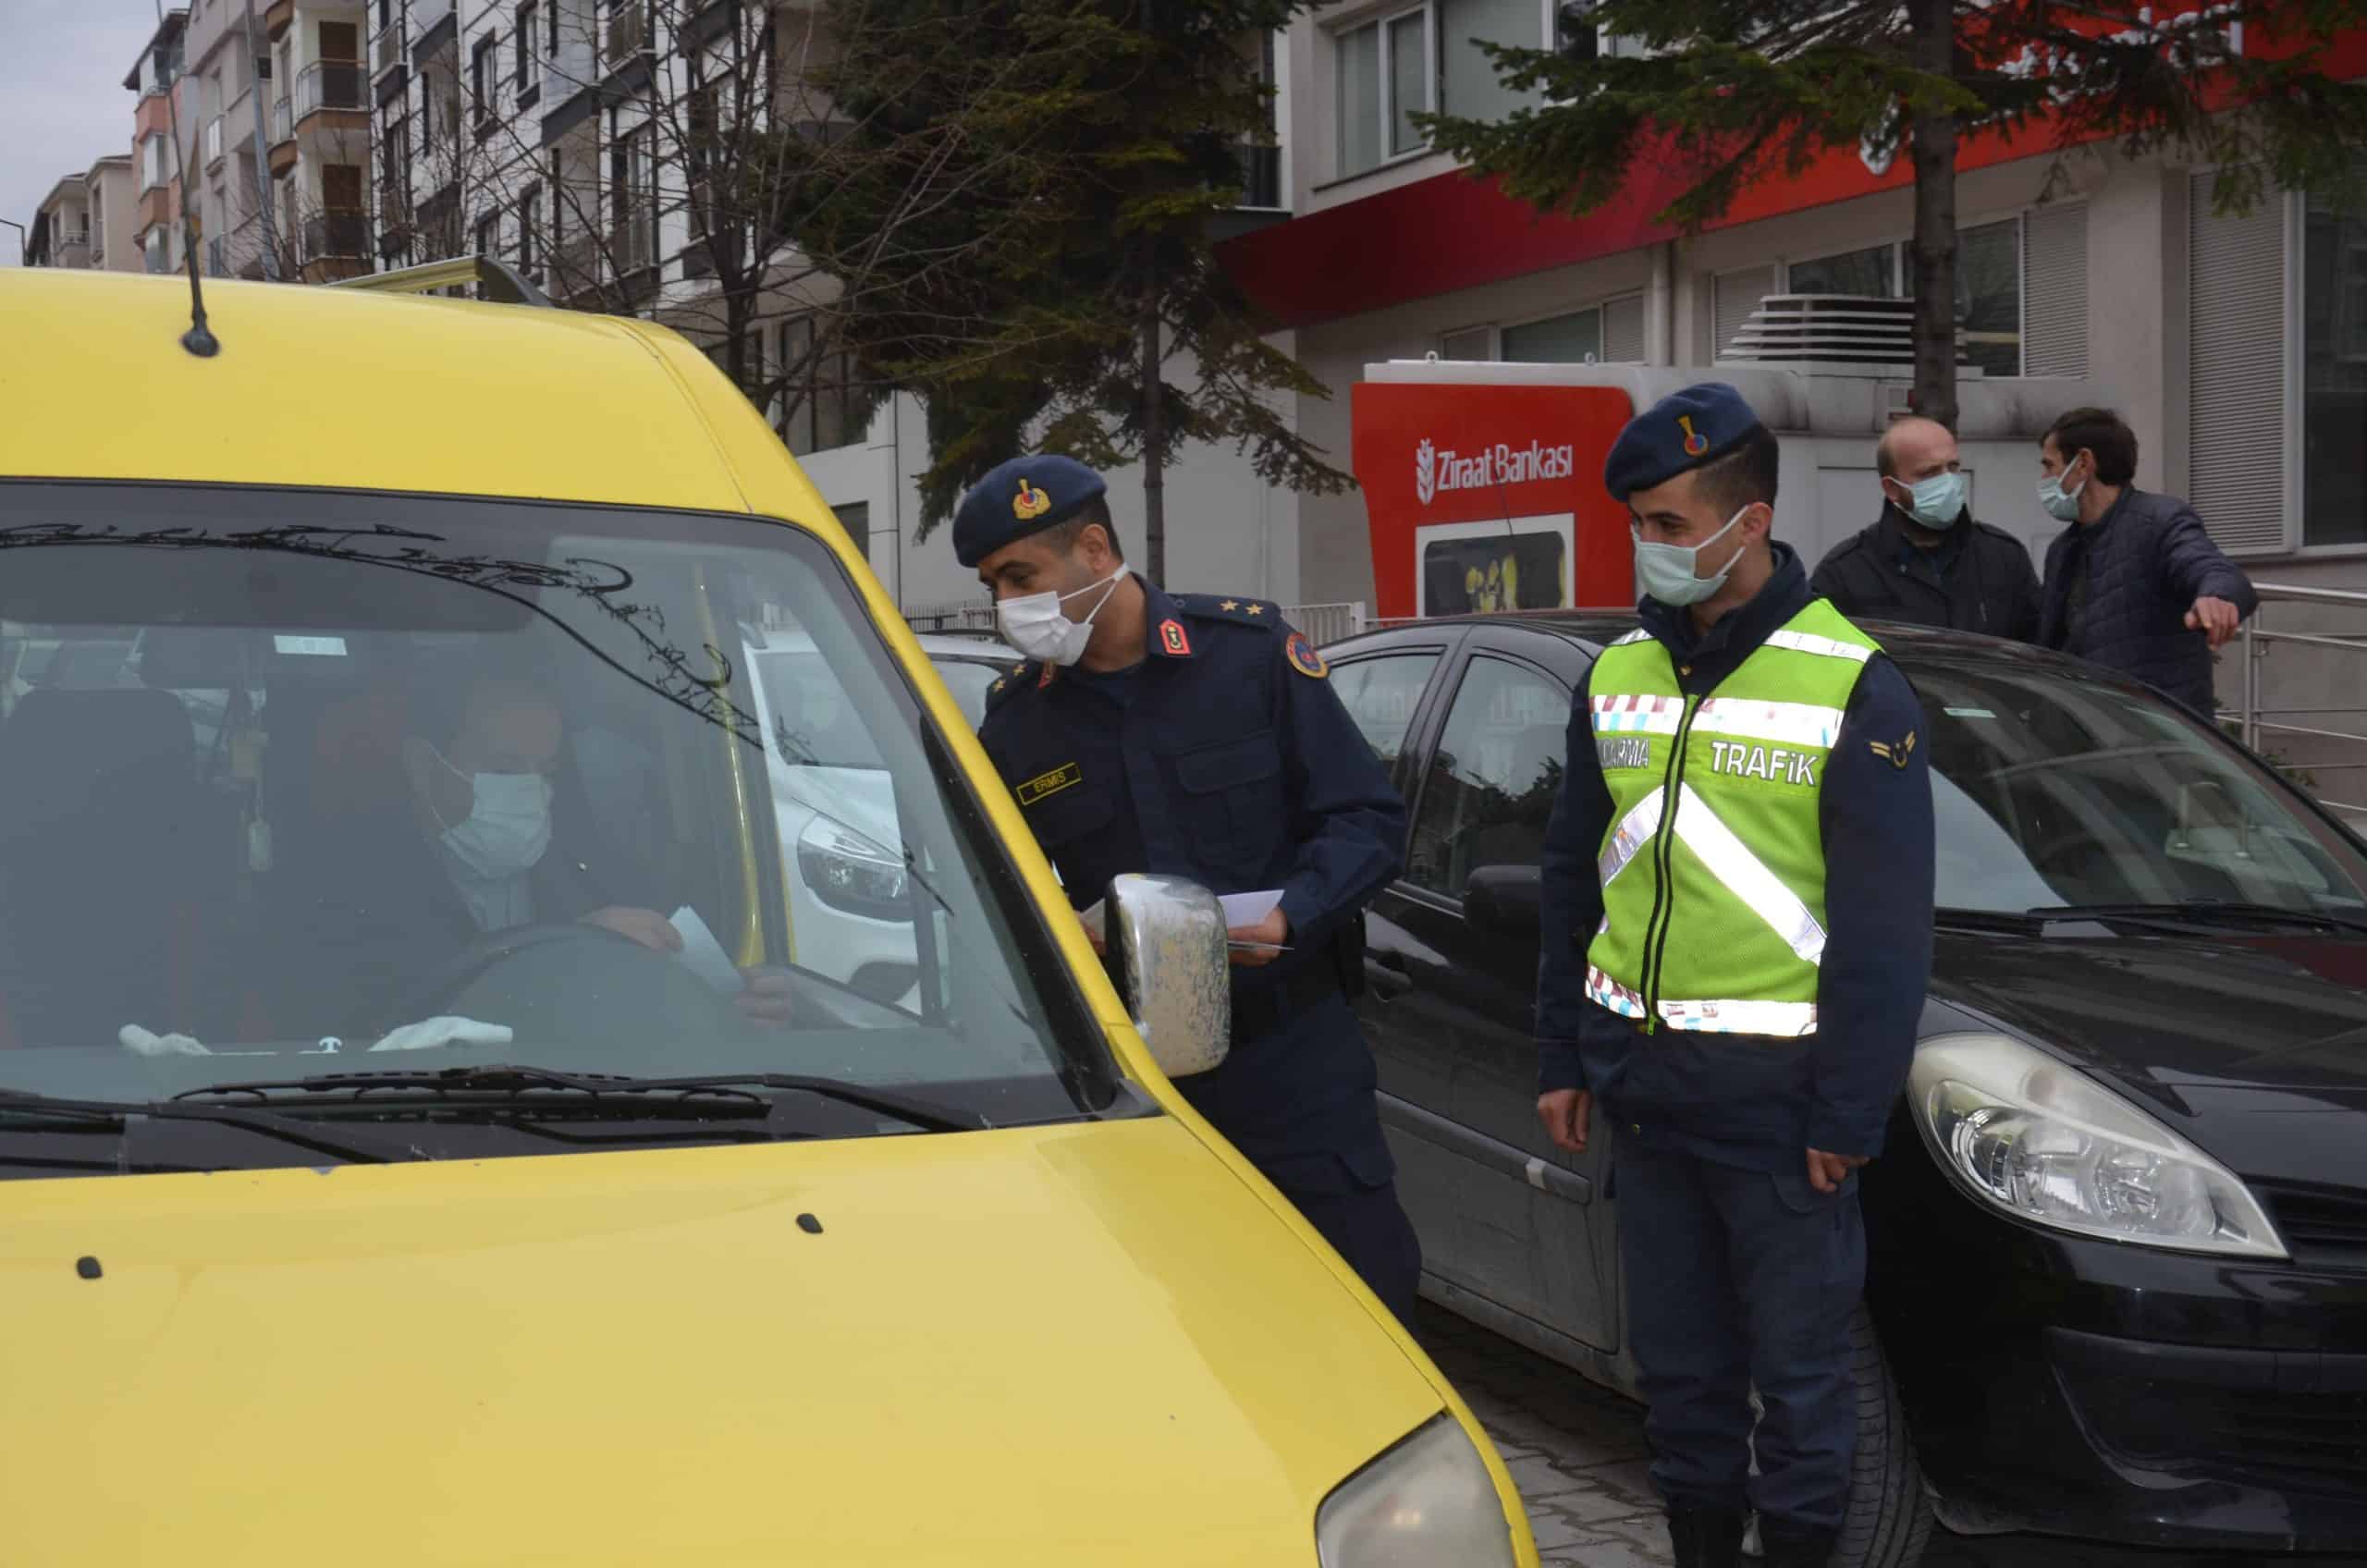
(507, 828)
(1665, 571)
(1034, 624)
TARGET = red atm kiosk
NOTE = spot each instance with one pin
(1485, 494)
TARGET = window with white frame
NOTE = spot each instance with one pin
(1995, 309)
(156, 163)
(1425, 58)
(1610, 332)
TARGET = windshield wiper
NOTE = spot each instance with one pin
(2204, 912)
(503, 1080)
(270, 1124)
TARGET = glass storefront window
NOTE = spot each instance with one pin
(2334, 378)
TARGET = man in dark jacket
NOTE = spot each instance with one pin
(2135, 583)
(1925, 560)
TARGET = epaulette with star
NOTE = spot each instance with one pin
(1216, 606)
(1027, 678)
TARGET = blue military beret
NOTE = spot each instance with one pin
(1684, 430)
(1025, 495)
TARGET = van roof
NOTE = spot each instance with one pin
(352, 389)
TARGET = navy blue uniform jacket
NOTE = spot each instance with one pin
(1741, 1098)
(1227, 764)
(2147, 560)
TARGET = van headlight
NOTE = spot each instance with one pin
(2047, 1144)
(1428, 1500)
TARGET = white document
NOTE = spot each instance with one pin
(702, 955)
(1240, 910)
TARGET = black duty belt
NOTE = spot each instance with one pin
(1261, 1009)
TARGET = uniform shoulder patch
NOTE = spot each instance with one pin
(1248, 612)
(1895, 752)
(1303, 657)
(1008, 686)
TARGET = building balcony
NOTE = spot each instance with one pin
(575, 263)
(214, 143)
(344, 236)
(627, 35)
(276, 17)
(70, 251)
(633, 241)
(386, 49)
(330, 85)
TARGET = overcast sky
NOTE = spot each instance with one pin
(62, 101)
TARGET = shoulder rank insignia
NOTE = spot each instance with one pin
(1303, 657)
(1171, 639)
(1895, 753)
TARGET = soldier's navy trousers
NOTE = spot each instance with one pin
(1740, 1279)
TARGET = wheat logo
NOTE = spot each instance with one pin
(1425, 471)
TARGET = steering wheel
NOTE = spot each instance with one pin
(432, 995)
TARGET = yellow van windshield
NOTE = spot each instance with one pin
(298, 784)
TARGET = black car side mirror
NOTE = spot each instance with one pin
(1503, 899)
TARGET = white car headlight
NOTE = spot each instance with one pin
(1428, 1500)
(2047, 1144)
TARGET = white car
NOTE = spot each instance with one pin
(851, 904)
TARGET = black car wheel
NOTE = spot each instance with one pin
(1890, 1514)
(1889, 1518)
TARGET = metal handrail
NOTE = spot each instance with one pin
(2250, 714)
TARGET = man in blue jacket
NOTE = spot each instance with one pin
(1735, 941)
(2134, 583)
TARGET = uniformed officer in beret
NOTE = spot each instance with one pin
(1737, 910)
(1197, 735)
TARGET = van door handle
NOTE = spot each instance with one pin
(1385, 973)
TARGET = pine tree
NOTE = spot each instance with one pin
(1100, 139)
(1734, 92)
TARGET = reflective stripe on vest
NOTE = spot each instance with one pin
(1712, 869)
(1783, 1019)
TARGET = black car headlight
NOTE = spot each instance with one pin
(1428, 1500)
(2047, 1144)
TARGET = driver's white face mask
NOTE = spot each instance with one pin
(1035, 625)
(507, 829)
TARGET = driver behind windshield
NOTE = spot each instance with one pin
(483, 840)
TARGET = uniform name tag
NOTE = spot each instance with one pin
(1775, 763)
(1623, 751)
(1050, 783)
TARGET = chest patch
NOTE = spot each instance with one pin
(1052, 783)
(1623, 751)
(1777, 765)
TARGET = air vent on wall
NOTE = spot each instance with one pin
(1840, 334)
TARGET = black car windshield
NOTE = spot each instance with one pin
(293, 783)
(2052, 789)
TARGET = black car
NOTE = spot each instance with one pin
(2118, 1236)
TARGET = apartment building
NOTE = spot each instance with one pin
(60, 233)
(157, 168)
(580, 140)
(317, 151)
(86, 220)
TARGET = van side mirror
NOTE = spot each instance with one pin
(1503, 899)
(1169, 939)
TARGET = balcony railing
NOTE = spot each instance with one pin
(630, 242)
(214, 141)
(386, 48)
(575, 263)
(337, 234)
(283, 120)
(627, 33)
(330, 84)
(70, 251)
(1261, 176)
